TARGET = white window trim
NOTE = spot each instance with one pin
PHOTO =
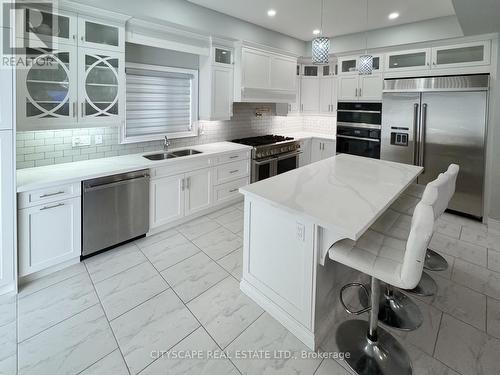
(194, 110)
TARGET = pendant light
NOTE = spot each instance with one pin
(365, 62)
(320, 45)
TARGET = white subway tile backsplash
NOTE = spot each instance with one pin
(36, 148)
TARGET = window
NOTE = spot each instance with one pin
(160, 101)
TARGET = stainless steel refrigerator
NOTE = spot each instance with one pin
(436, 121)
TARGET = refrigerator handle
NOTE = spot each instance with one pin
(422, 134)
(416, 143)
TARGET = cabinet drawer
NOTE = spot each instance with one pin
(229, 190)
(234, 156)
(179, 166)
(231, 171)
(50, 194)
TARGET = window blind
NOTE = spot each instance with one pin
(159, 102)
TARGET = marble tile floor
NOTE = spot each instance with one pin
(137, 308)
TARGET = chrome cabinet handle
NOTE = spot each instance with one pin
(234, 171)
(182, 184)
(188, 183)
(356, 92)
(74, 109)
(52, 194)
(233, 157)
(233, 190)
(49, 207)
(82, 110)
(360, 92)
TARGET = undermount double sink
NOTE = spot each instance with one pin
(173, 154)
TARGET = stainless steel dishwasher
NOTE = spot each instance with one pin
(115, 209)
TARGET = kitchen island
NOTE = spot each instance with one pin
(291, 220)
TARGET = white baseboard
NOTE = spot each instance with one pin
(493, 225)
(48, 271)
(7, 288)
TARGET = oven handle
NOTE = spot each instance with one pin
(361, 139)
(359, 125)
(266, 161)
(288, 155)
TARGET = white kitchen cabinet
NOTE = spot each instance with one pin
(101, 85)
(50, 26)
(328, 95)
(461, 55)
(309, 95)
(229, 190)
(101, 34)
(416, 59)
(197, 191)
(370, 87)
(305, 148)
(295, 105)
(49, 234)
(322, 149)
(216, 85)
(256, 69)
(283, 73)
(349, 64)
(47, 95)
(7, 200)
(360, 87)
(166, 200)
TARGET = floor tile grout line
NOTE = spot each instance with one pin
(109, 323)
(48, 286)
(253, 321)
(100, 359)
(437, 335)
(55, 324)
(317, 368)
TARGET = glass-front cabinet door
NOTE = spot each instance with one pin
(100, 81)
(45, 25)
(461, 55)
(47, 88)
(98, 34)
(408, 60)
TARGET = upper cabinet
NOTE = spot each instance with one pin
(216, 84)
(349, 64)
(408, 60)
(265, 76)
(94, 33)
(76, 76)
(461, 55)
(360, 87)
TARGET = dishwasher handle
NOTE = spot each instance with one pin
(89, 188)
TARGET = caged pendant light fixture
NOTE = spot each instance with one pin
(320, 44)
(365, 62)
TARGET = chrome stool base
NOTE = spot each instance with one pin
(385, 356)
(426, 286)
(434, 261)
(396, 310)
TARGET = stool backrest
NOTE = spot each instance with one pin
(422, 227)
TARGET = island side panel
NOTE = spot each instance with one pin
(278, 266)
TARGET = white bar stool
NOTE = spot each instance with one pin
(372, 349)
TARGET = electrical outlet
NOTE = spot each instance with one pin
(98, 139)
(82, 140)
(301, 231)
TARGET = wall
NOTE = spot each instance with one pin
(186, 14)
(38, 148)
(417, 32)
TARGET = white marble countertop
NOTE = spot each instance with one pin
(344, 193)
(307, 135)
(41, 177)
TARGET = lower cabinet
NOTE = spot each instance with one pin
(305, 156)
(166, 197)
(322, 149)
(49, 234)
(198, 192)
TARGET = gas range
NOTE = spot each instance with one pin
(272, 155)
(266, 146)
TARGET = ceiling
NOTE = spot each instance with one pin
(298, 18)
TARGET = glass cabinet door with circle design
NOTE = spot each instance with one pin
(101, 84)
(47, 82)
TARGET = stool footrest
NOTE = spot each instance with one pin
(346, 308)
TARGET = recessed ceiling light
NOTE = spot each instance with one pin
(316, 31)
(271, 12)
(393, 15)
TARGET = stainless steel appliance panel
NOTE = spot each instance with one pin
(115, 209)
(473, 82)
(401, 116)
(453, 131)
